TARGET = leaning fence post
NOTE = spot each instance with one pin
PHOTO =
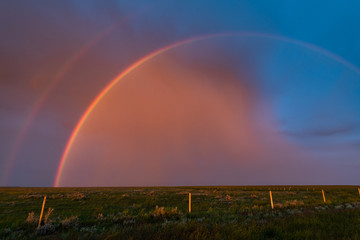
(42, 211)
(189, 202)
(323, 195)
(271, 200)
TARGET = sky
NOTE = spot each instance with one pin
(165, 93)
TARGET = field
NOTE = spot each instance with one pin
(234, 212)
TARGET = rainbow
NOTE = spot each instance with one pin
(172, 46)
(59, 75)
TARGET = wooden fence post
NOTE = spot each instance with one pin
(323, 195)
(42, 211)
(271, 200)
(189, 202)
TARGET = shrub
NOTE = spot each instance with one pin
(47, 215)
(159, 211)
(45, 229)
(100, 217)
(31, 218)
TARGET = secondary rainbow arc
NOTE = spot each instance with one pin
(59, 75)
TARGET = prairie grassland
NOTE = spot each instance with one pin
(229, 212)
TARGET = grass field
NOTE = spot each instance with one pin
(234, 212)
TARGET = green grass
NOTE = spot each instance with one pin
(233, 212)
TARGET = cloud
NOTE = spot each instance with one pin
(38, 40)
(321, 131)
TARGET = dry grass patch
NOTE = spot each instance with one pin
(278, 205)
(76, 196)
(294, 203)
(164, 212)
(31, 195)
